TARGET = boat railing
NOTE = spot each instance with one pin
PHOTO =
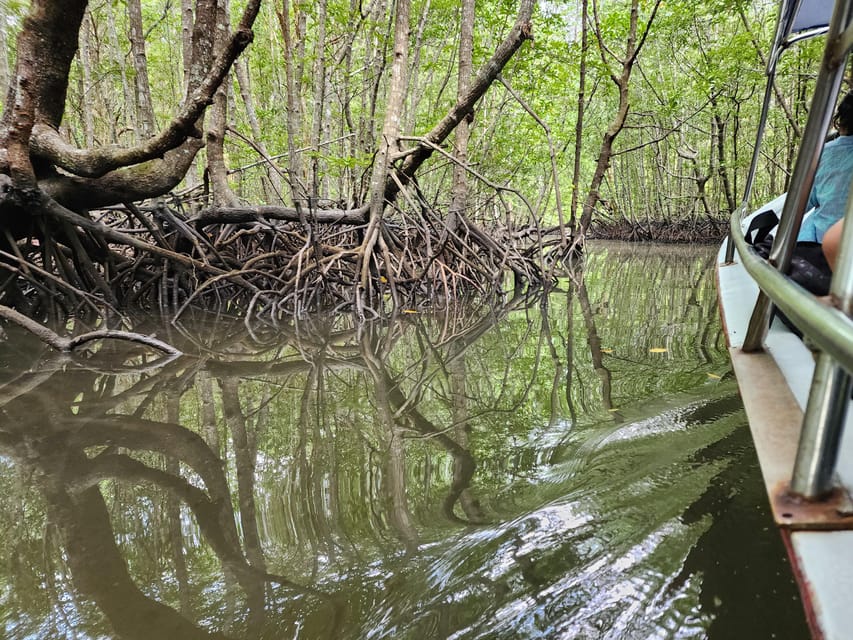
(826, 326)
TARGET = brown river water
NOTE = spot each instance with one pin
(575, 465)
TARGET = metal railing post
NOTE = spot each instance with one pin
(756, 152)
(823, 423)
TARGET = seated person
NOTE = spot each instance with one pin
(831, 185)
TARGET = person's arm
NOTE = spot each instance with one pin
(832, 242)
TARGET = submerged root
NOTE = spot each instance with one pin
(67, 345)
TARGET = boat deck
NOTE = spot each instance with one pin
(774, 386)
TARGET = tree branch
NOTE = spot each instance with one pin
(520, 32)
(47, 143)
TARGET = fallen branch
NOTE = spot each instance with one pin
(233, 215)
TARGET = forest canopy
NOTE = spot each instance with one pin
(274, 157)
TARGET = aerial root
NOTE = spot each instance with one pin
(157, 257)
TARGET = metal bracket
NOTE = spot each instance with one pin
(832, 512)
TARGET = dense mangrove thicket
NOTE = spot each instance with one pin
(273, 157)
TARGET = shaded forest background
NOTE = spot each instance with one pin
(285, 155)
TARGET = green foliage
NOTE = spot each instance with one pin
(696, 89)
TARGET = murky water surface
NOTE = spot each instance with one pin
(572, 467)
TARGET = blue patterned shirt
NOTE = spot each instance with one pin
(830, 189)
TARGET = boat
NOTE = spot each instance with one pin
(796, 391)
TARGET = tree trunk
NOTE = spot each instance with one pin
(622, 81)
(459, 189)
(319, 99)
(390, 132)
(576, 168)
(38, 90)
(87, 88)
(294, 112)
(719, 128)
(4, 48)
(272, 184)
(412, 105)
(215, 135)
(118, 59)
(187, 22)
(144, 108)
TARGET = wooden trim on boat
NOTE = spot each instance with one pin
(774, 420)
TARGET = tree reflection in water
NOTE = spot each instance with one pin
(518, 473)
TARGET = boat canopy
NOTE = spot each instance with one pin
(798, 20)
(807, 14)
